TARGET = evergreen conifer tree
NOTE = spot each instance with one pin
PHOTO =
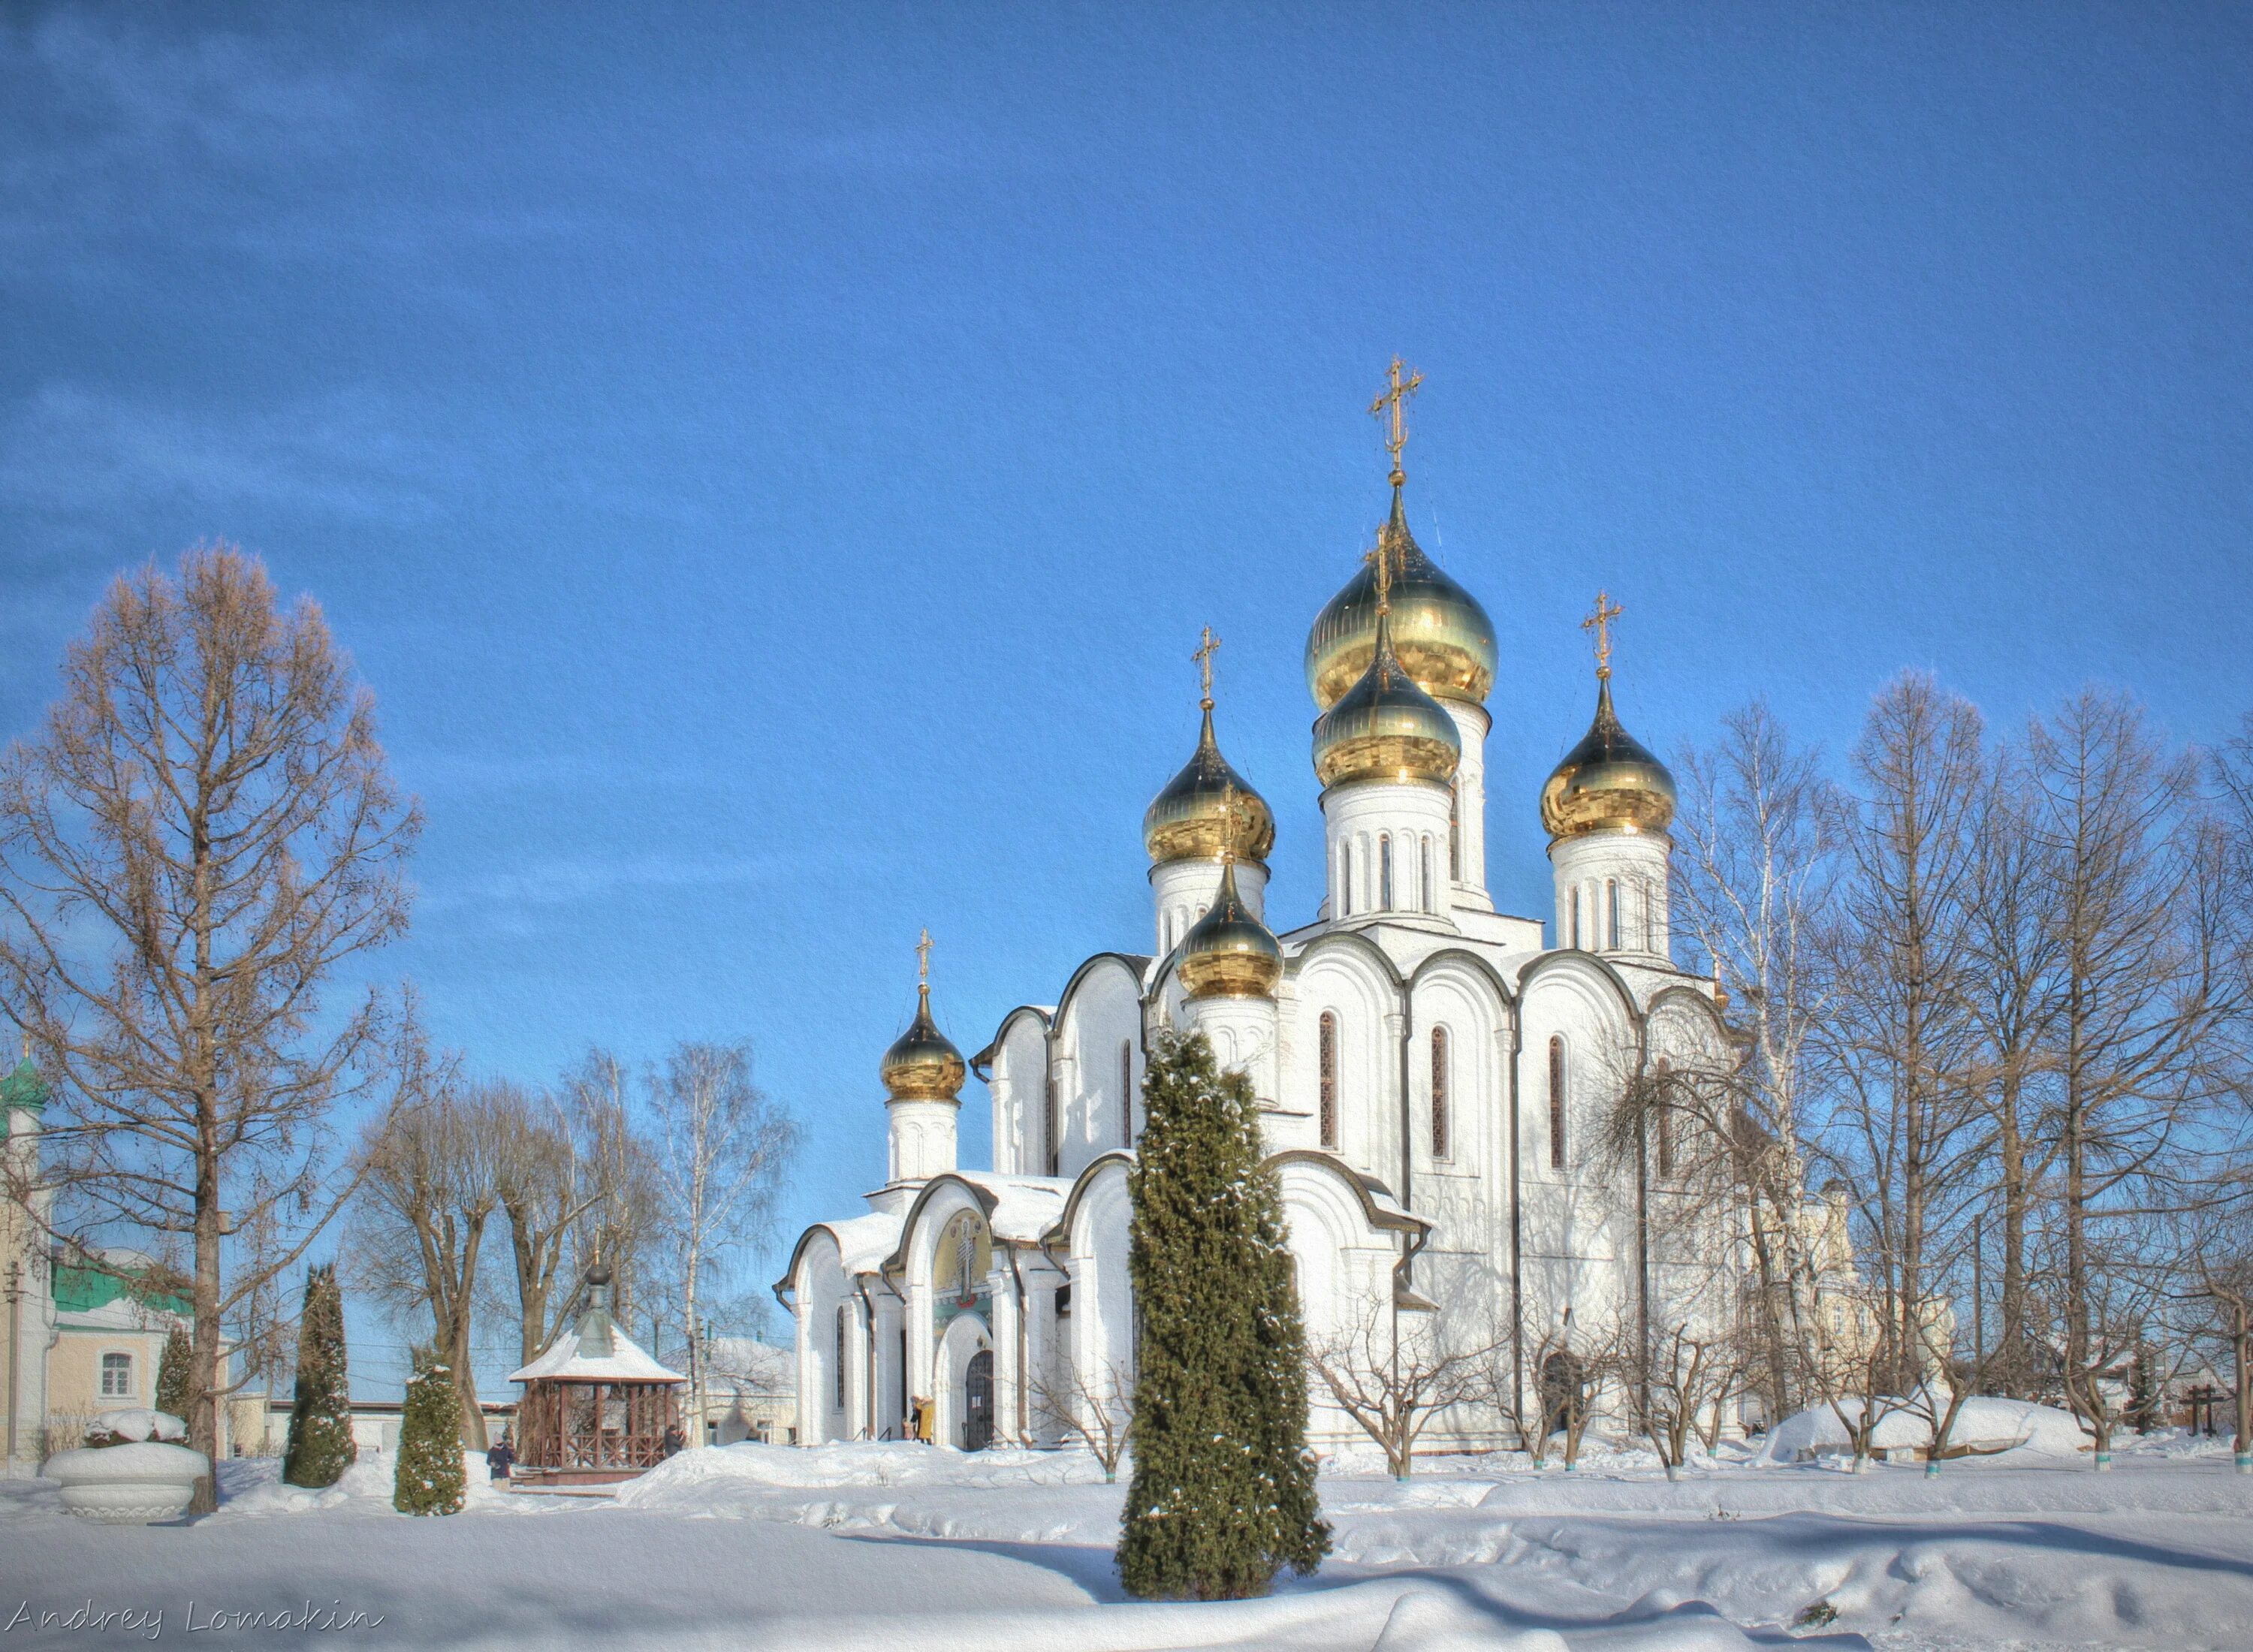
(320, 1447)
(2142, 1392)
(429, 1479)
(1223, 1493)
(172, 1375)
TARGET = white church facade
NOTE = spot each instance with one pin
(1434, 1075)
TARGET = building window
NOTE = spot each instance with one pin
(1664, 1126)
(1431, 904)
(1385, 872)
(117, 1376)
(1439, 1092)
(841, 1312)
(1556, 1104)
(1612, 921)
(1328, 1117)
(1346, 880)
(1576, 917)
(1454, 830)
(1126, 1090)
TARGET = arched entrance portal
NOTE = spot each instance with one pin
(978, 1402)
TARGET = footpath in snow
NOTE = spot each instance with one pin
(898, 1547)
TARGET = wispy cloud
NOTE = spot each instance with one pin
(68, 448)
(574, 882)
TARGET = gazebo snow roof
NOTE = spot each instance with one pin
(594, 1349)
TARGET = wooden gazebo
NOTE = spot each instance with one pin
(596, 1407)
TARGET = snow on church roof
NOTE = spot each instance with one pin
(1024, 1207)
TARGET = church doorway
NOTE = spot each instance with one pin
(978, 1402)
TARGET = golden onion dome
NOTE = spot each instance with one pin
(1608, 783)
(1386, 727)
(1228, 952)
(923, 1064)
(1439, 631)
(1207, 809)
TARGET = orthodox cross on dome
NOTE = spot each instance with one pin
(1391, 405)
(923, 960)
(1203, 655)
(1381, 559)
(1601, 623)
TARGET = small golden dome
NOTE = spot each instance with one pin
(922, 1064)
(1440, 632)
(1228, 953)
(1607, 783)
(1386, 727)
(1193, 818)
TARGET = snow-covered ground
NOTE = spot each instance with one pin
(910, 1548)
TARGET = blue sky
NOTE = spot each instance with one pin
(773, 463)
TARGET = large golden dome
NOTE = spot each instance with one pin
(1194, 818)
(922, 1064)
(1228, 953)
(1439, 631)
(1386, 727)
(1607, 783)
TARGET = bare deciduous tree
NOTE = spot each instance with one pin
(1388, 1368)
(431, 1189)
(1099, 1412)
(722, 1148)
(202, 834)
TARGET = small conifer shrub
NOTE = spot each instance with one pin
(172, 1373)
(320, 1447)
(1223, 1494)
(429, 1479)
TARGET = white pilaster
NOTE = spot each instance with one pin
(1468, 877)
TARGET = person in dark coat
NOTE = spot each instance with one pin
(500, 1457)
(676, 1441)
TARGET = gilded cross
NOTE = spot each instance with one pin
(1391, 405)
(1381, 559)
(923, 960)
(1601, 623)
(1203, 655)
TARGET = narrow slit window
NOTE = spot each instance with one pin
(1556, 1104)
(1384, 873)
(1576, 919)
(1612, 917)
(1663, 1126)
(1440, 1147)
(1454, 830)
(840, 1356)
(1430, 901)
(1328, 1107)
(1126, 1092)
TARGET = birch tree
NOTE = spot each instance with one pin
(721, 1149)
(200, 837)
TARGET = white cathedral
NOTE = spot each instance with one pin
(1434, 1075)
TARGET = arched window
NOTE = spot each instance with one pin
(842, 1312)
(1346, 880)
(1454, 830)
(1439, 1092)
(117, 1376)
(1430, 902)
(1663, 1124)
(1576, 916)
(1647, 909)
(1127, 1092)
(1612, 918)
(1329, 1059)
(1556, 1104)
(1385, 872)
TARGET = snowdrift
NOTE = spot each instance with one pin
(1988, 1427)
(700, 1480)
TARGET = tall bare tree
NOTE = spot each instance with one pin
(2010, 993)
(431, 1189)
(1899, 1047)
(200, 836)
(1756, 858)
(2142, 983)
(721, 1149)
